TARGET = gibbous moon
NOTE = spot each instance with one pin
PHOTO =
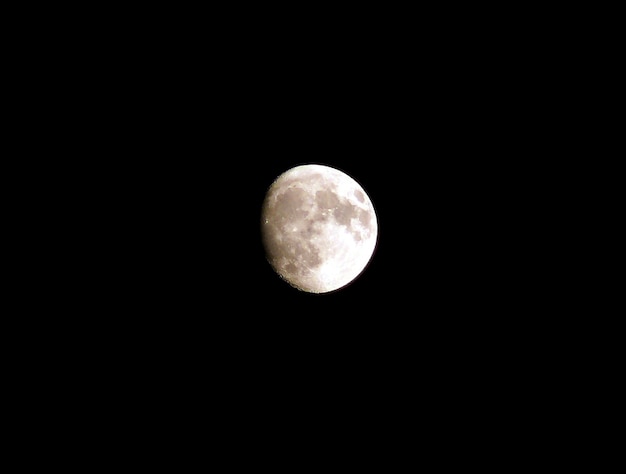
(319, 228)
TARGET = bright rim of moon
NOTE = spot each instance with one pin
(319, 228)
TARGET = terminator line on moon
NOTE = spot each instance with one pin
(319, 228)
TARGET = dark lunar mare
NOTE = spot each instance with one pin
(343, 211)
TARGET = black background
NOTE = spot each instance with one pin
(178, 127)
(441, 133)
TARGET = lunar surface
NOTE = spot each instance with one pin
(319, 228)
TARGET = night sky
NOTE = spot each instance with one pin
(444, 135)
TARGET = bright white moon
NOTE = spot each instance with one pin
(319, 228)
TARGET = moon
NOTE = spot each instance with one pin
(319, 228)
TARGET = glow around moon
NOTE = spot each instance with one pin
(319, 228)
